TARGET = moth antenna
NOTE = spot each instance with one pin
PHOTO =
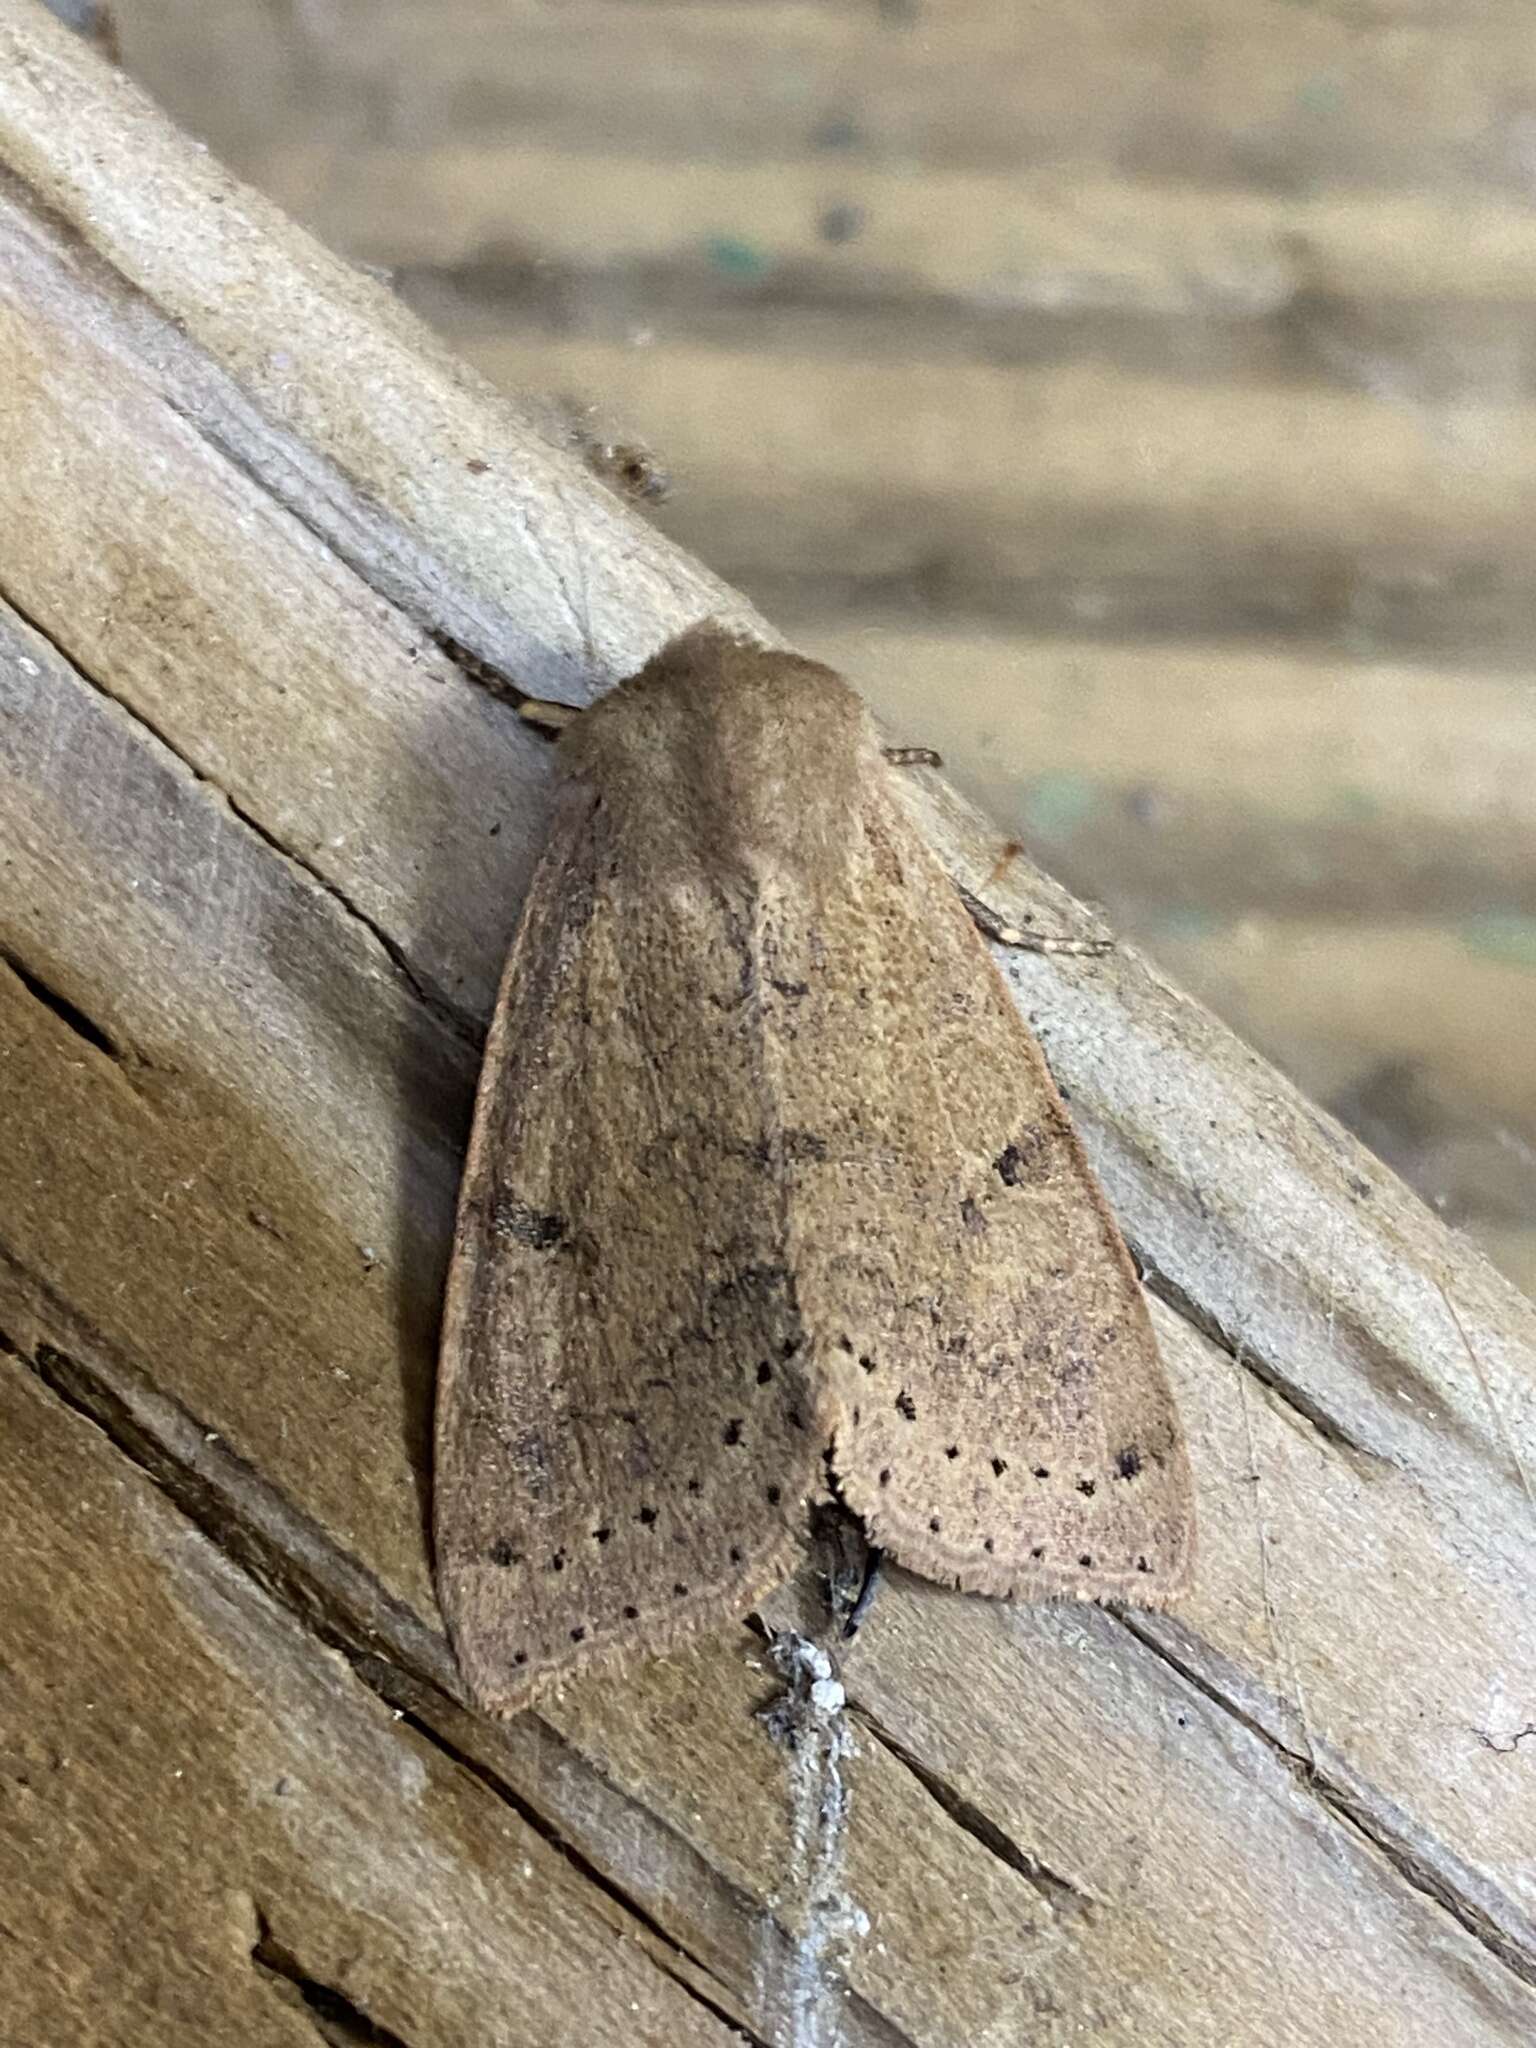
(1002, 933)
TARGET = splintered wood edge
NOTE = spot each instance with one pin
(367, 429)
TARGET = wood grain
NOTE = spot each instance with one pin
(251, 902)
(306, 1841)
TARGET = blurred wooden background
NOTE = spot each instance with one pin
(1135, 397)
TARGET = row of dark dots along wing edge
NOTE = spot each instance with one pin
(502, 1553)
(1127, 1466)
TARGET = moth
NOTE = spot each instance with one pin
(771, 1200)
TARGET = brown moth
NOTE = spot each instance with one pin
(771, 1198)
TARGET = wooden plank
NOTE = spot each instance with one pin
(234, 1036)
(1254, 191)
(212, 1824)
(1258, 95)
(137, 452)
(346, 1458)
(1056, 237)
(266, 1058)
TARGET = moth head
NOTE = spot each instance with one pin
(758, 753)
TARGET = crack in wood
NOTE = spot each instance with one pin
(240, 1513)
(299, 1566)
(476, 668)
(1064, 1897)
(483, 674)
(1371, 1825)
(1269, 1376)
(1505, 1745)
(415, 588)
(377, 1675)
(337, 2018)
(68, 1013)
(464, 1026)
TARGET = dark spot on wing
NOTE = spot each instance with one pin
(1025, 1162)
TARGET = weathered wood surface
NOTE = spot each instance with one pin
(1139, 371)
(263, 839)
(164, 1778)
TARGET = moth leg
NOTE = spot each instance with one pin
(913, 757)
(1044, 942)
(548, 717)
(847, 1565)
(858, 1613)
(1004, 934)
